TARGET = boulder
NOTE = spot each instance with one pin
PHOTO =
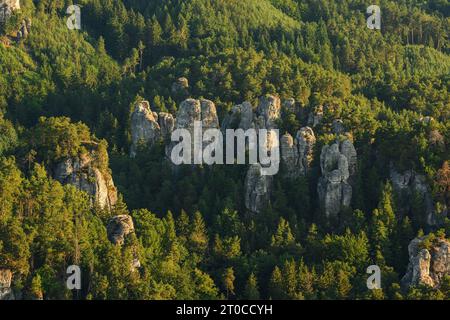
(289, 106)
(257, 189)
(118, 228)
(334, 188)
(427, 266)
(83, 173)
(144, 127)
(240, 117)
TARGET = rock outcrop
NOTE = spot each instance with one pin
(406, 186)
(5, 285)
(315, 117)
(83, 173)
(240, 117)
(7, 7)
(427, 266)
(180, 87)
(167, 124)
(297, 154)
(144, 127)
(268, 112)
(338, 126)
(334, 189)
(257, 189)
(118, 228)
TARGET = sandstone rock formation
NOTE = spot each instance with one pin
(181, 87)
(167, 124)
(257, 189)
(5, 285)
(268, 112)
(297, 154)
(240, 117)
(7, 7)
(289, 106)
(338, 126)
(334, 189)
(427, 266)
(315, 117)
(83, 173)
(144, 127)
(118, 228)
(406, 186)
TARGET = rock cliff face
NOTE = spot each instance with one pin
(407, 186)
(427, 266)
(7, 7)
(334, 189)
(118, 228)
(268, 112)
(5, 285)
(297, 154)
(315, 117)
(83, 173)
(167, 125)
(257, 189)
(240, 117)
(145, 128)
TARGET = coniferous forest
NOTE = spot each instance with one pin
(364, 180)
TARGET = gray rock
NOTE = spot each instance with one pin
(240, 117)
(297, 154)
(7, 7)
(315, 117)
(338, 126)
(118, 228)
(6, 292)
(144, 127)
(257, 189)
(427, 266)
(408, 184)
(83, 173)
(289, 106)
(334, 189)
(181, 87)
(268, 112)
(167, 125)
(209, 115)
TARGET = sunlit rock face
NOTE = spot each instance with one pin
(145, 129)
(7, 7)
(427, 266)
(5, 285)
(83, 173)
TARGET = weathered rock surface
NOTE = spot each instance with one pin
(338, 126)
(268, 112)
(118, 228)
(181, 87)
(83, 173)
(406, 186)
(7, 7)
(5, 285)
(257, 189)
(297, 154)
(144, 127)
(427, 266)
(334, 189)
(167, 125)
(289, 106)
(240, 117)
(315, 117)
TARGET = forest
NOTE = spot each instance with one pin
(67, 100)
